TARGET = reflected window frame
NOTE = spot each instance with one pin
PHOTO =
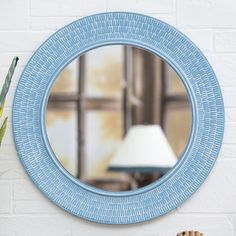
(130, 100)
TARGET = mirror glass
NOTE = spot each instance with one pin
(118, 118)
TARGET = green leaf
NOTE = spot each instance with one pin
(3, 130)
(7, 82)
(1, 110)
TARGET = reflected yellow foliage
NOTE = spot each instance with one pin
(64, 82)
(178, 129)
(111, 126)
(64, 162)
(175, 85)
(53, 115)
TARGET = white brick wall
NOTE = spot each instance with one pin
(211, 24)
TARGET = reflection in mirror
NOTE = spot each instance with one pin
(118, 118)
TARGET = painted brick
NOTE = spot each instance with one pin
(5, 197)
(71, 8)
(168, 18)
(211, 24)
(148, 6)
(6, 58)
(156, 6)
(218, 193)
(49, 23)
(8, 152)
(206, 13)
(230, 133)
(26, 190)
(140, 6)
(23, 41)
(10, 170)
(230, 115)
(35, 207)
(228, 151)
(14, 14)
(202, 38)
(116, 5)
(67, 225)
(224, 66)
(229, 95)
(225, 41)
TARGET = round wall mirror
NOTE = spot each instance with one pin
(118, 118)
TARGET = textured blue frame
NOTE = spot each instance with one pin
(99, 205)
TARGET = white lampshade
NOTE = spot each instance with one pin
(145, 148)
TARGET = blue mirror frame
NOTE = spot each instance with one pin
(86, 201)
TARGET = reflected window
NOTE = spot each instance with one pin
(96, 101)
